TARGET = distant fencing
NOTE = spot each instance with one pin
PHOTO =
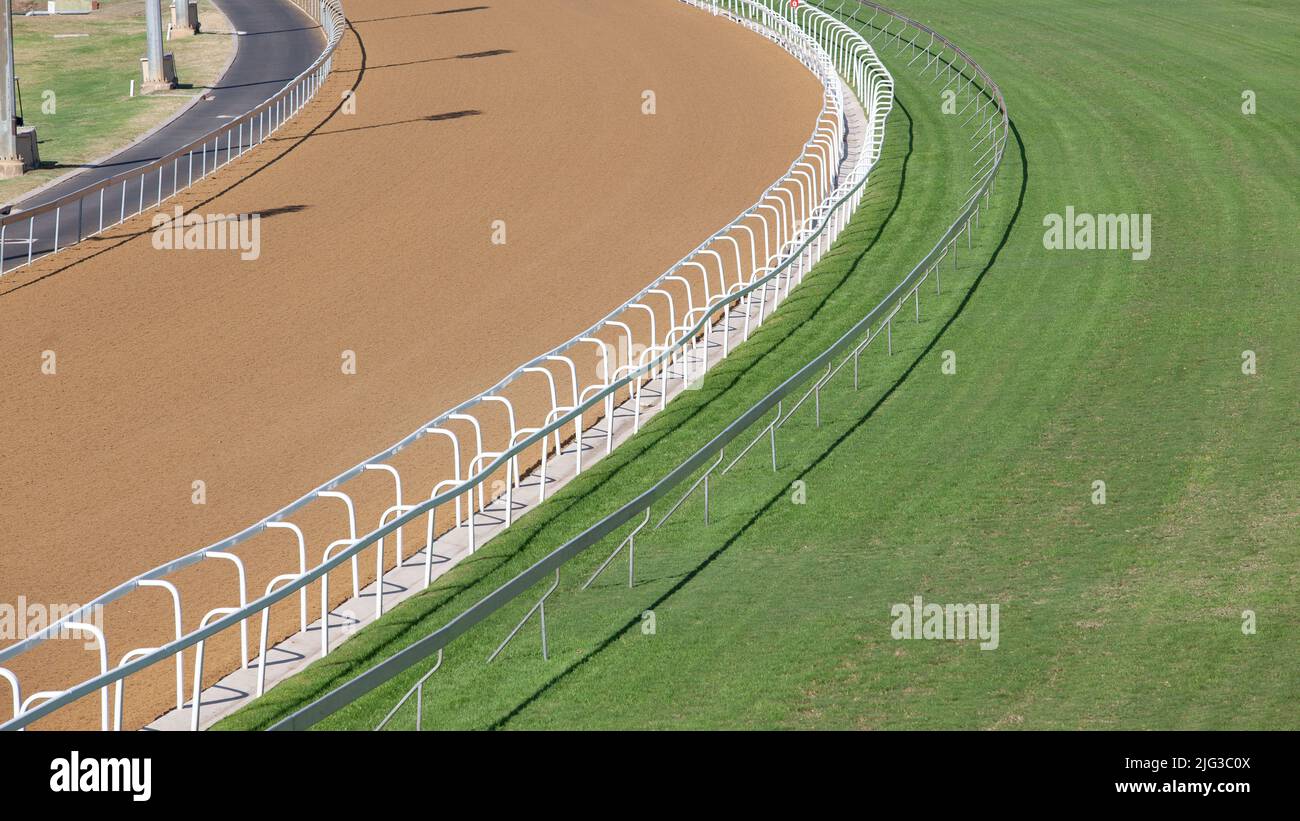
(56, 225)
(754, 261)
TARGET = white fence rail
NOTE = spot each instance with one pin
(753, 262)
(56, 225)
(977, 94)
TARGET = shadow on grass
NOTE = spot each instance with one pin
(780, 495)
(481, 571)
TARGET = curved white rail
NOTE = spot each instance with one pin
(991, 123)
(771, 244)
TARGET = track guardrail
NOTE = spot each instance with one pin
(992, 123)
(797, 218)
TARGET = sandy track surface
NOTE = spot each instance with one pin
(376, 238)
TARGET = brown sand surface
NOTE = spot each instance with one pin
(177, 366)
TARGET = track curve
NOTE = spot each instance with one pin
(376, 238)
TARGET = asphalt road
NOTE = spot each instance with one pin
(276, 42)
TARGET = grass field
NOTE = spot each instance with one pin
(1072, 367)
(75, 73)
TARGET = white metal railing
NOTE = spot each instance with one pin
(54, 226)
(974, 91)
(755, 261)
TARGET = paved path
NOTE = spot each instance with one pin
(276, 42)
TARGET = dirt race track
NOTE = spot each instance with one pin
(177, 366)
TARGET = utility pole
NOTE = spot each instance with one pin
(11, 164)
(159, 73)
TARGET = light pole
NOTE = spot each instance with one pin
(158, 73)
(11, 164)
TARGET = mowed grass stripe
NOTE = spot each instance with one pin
(1126, 615)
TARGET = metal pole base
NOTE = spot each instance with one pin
(11, 168)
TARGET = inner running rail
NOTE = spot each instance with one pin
(793, 244)
(997, 124)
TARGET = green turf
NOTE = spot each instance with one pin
(76, 89)
(1073, 366)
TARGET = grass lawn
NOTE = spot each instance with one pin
(76, 89)
(1072, 367)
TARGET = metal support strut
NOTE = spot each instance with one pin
(540, 610)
